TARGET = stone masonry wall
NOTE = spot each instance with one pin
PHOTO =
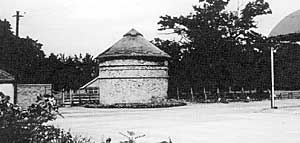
(27, 93)
(132, 81)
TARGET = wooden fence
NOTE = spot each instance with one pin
(73, 99)
(76, 99)
(216, 95)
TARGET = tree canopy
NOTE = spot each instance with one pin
(25, 59)
(218, 48)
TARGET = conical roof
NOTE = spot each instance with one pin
(132, 45)
(288, 25)
(5, 77)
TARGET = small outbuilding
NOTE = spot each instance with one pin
(133, 70)
(7, 85)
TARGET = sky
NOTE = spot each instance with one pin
(91, 26)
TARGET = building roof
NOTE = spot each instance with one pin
(6, 77)
(89, 83)
(288, 25)
(133, 44)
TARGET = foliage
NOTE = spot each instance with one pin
(19, 55)
(218, 48)
(30, 126)
(70, 72)
(131, 137)
(287, 67)
(24, 58)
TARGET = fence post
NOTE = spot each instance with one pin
(205, 96)
(177, 92)
(63, 97)
(71, 98)
(192, 94)
(243, 93)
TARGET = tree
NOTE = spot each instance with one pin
(219, 48)
(287, 67)
(25, 59)
(22, 57)
(176, 70)
(72, 72)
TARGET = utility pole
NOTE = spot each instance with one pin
(17, 22)
(272, 80)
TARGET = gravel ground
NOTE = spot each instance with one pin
(252, 122)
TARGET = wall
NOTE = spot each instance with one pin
(132, 81)
(8, 90)
(27, 93)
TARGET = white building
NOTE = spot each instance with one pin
(7, 85)
(131, 71)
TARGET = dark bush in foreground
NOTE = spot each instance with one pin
(155, 103)
(30, 125)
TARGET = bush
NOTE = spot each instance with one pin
(29, 126)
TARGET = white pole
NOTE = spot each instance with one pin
(205, 96)
(63, 98)
(177, 92)
(192, 94)
(272, 79)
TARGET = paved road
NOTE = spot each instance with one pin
(196, 123)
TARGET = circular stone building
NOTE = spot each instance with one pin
(132, 71)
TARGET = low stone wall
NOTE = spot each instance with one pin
(27, 93)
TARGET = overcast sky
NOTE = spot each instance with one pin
(91, 26)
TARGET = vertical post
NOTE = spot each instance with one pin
(192, 94)
(15, 92)
(177, 92)
(242, 93)
(17, 22)
(218, 95)
(205, 96)
(71, 97)
(63, 97)
(272, 79)
(229, 92)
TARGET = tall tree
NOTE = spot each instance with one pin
(220, 47)
(21, 56)
(24, 58)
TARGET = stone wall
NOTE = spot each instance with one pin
(27, 93)
(132, 81)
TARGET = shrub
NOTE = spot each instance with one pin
(29, 126)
